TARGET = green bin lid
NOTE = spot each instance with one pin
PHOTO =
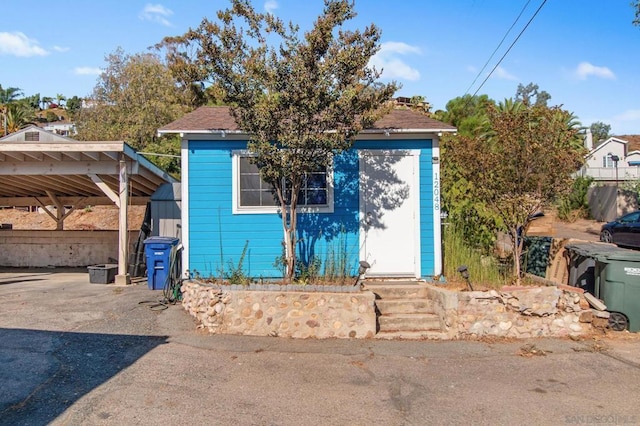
(604, 252)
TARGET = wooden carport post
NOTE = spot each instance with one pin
(123, 278)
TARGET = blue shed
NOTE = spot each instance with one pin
(380, 202)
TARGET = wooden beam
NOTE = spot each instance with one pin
(46, 210)
(75, 146)
(59, 210)
(40, 184)
(54, 155)
(68, 201)
(38, 156)
(60, 168)
(113, 155)
(95, 156)
(15, 155)
(73, 155)
(105, 189)
(123, 277)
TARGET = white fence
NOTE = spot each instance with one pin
(608, 173)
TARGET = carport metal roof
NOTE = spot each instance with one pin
(40, 168)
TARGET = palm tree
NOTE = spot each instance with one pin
(9, 94)
(46, 101)
(59, 99)
(17, 117)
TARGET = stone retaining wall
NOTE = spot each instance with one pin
(296, 314)
(513, 312)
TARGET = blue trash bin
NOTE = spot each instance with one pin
(158, 255)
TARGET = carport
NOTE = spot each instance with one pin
(38, 168)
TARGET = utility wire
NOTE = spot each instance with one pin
(510, 47)
(498, 47)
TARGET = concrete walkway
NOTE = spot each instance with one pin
(74, 353)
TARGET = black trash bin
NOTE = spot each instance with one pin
(158, 255)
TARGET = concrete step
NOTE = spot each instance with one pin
(412, 335)
(409, 322)
(404, 306)
(397, 291)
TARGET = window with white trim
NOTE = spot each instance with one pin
(253, 195)
(607, 162)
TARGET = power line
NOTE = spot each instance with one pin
(510, 47)
(498, 47)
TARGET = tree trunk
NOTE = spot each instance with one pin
(517, 251)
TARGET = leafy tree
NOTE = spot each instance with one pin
(301, 100)
(419, 103)
(166, 154)
(51, 116)
(32, 101)
(532, 95)
(470, 217)
(134, 96)
(73, 105)
(467, 113)
(636, 6)
(509, 164)
(600, 131)
(191, 76)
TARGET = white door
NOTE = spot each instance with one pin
(388, 212)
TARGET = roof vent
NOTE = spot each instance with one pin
(32, 136)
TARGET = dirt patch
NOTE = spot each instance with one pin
(581, 229)
(93, 218)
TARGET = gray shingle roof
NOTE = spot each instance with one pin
(219, 118)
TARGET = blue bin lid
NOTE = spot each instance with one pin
(162, 240)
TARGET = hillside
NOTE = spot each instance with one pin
(94, 218)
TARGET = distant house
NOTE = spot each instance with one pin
(379, 202)
(56, 120)
(616, 159)
(62, 128)
(611, 163)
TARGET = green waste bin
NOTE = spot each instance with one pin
(618, 286)
(614, 273)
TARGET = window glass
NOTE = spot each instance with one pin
(254, 192)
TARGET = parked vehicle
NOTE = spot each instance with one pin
(624, 231)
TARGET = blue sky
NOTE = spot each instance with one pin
(585, 53)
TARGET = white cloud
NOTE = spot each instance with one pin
(18, 44)
(585, 69)
(503, 74)
(87, 71)
(61, 49)
(270, 6)
(629, 115)
(156, 13)
(392, 67)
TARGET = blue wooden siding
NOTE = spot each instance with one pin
(217, 236)
(427, 252)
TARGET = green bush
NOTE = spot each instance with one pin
(575, 203)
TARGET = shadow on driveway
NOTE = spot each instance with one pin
(45, 372)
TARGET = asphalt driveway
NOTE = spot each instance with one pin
(75, 353)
